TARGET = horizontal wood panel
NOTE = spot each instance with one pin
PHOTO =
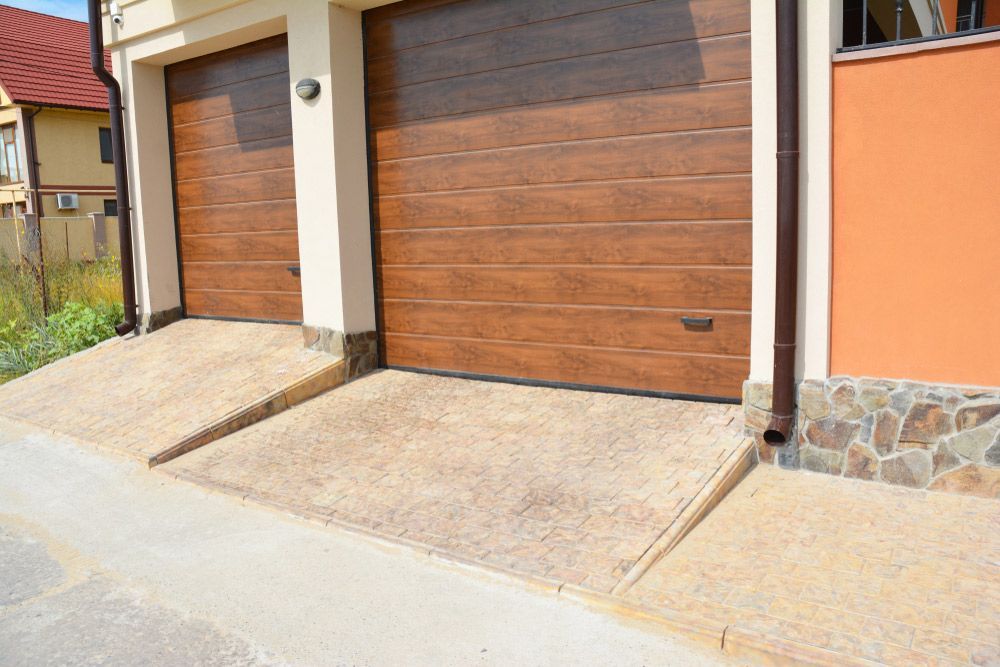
(711, 288)
(281, 245)
(641, 156)
(627, 27)
(467, 17)
(237, 188)
(273, 153)
(631, 369)
(706, 106)
(239, 128)
(696, 61)
(275, 306)
(557, 182)
(573, 325)
(256, 276)
(395, 9)
(239, 97)
(694, 198)
(234, 183)
(244, 217)
(242, 63)
(592, 243)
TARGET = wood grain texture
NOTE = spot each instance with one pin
(240, 128)
(239, 97)
(592, 326)
(557, 182)
(670, 110)
(671, 287)
(640, 156)
(629, 369)
(253, 217)
(687, 198)
(410, 24)
(269, 276)
(249, 61)
(273, 153)
(270, 306)
(234, 183)
(626, 27)
(591, 243)
(241, 247)
(238, 188)
(695, 61)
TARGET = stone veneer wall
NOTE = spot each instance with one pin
(905, 433)
(359, 350)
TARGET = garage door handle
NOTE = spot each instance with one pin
(698, 322)
(295, 271)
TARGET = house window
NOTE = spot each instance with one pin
(12, 210)
(111, 208)
(10, 163)
(107, 154)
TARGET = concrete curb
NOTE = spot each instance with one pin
(733, 469)
(739, 643)
(762, 649)
(278, 401)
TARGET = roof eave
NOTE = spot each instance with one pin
(52, 105)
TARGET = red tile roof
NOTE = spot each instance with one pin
(45, 60)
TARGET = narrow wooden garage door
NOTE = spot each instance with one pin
(559, 183)
(234, 182)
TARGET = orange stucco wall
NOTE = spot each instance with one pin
(916, 216)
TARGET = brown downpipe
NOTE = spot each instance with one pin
(779, 430)
(121, 176)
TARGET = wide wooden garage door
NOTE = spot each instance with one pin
(559, 185)
(234, 183)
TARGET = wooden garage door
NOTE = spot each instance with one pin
(557, 183)
(234, 183)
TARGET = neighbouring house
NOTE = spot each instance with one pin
(585, 193)
(56, 157)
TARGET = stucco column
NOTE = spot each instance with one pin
(819, 35)
(148, 157)
(331, 169)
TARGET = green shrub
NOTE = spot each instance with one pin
(72, 329)
(77, 326)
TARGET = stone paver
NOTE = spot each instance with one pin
(141, 396)
(572, 486)
(890, 575)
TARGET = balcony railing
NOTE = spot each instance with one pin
(877, 23)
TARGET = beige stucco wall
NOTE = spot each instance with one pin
(69, 149)
(329, 139)
(819, 36)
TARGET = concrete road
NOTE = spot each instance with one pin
(104, 562)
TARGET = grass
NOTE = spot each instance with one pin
(84, 300)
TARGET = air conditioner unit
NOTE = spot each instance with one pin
(67, 201)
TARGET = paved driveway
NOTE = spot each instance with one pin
(567, 485)
(102, 562)
(860, 571)
(143, 396)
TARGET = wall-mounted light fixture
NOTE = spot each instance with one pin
(307, 89)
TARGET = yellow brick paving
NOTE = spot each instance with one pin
(571, 486)
(884, 574)
(141, 395)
